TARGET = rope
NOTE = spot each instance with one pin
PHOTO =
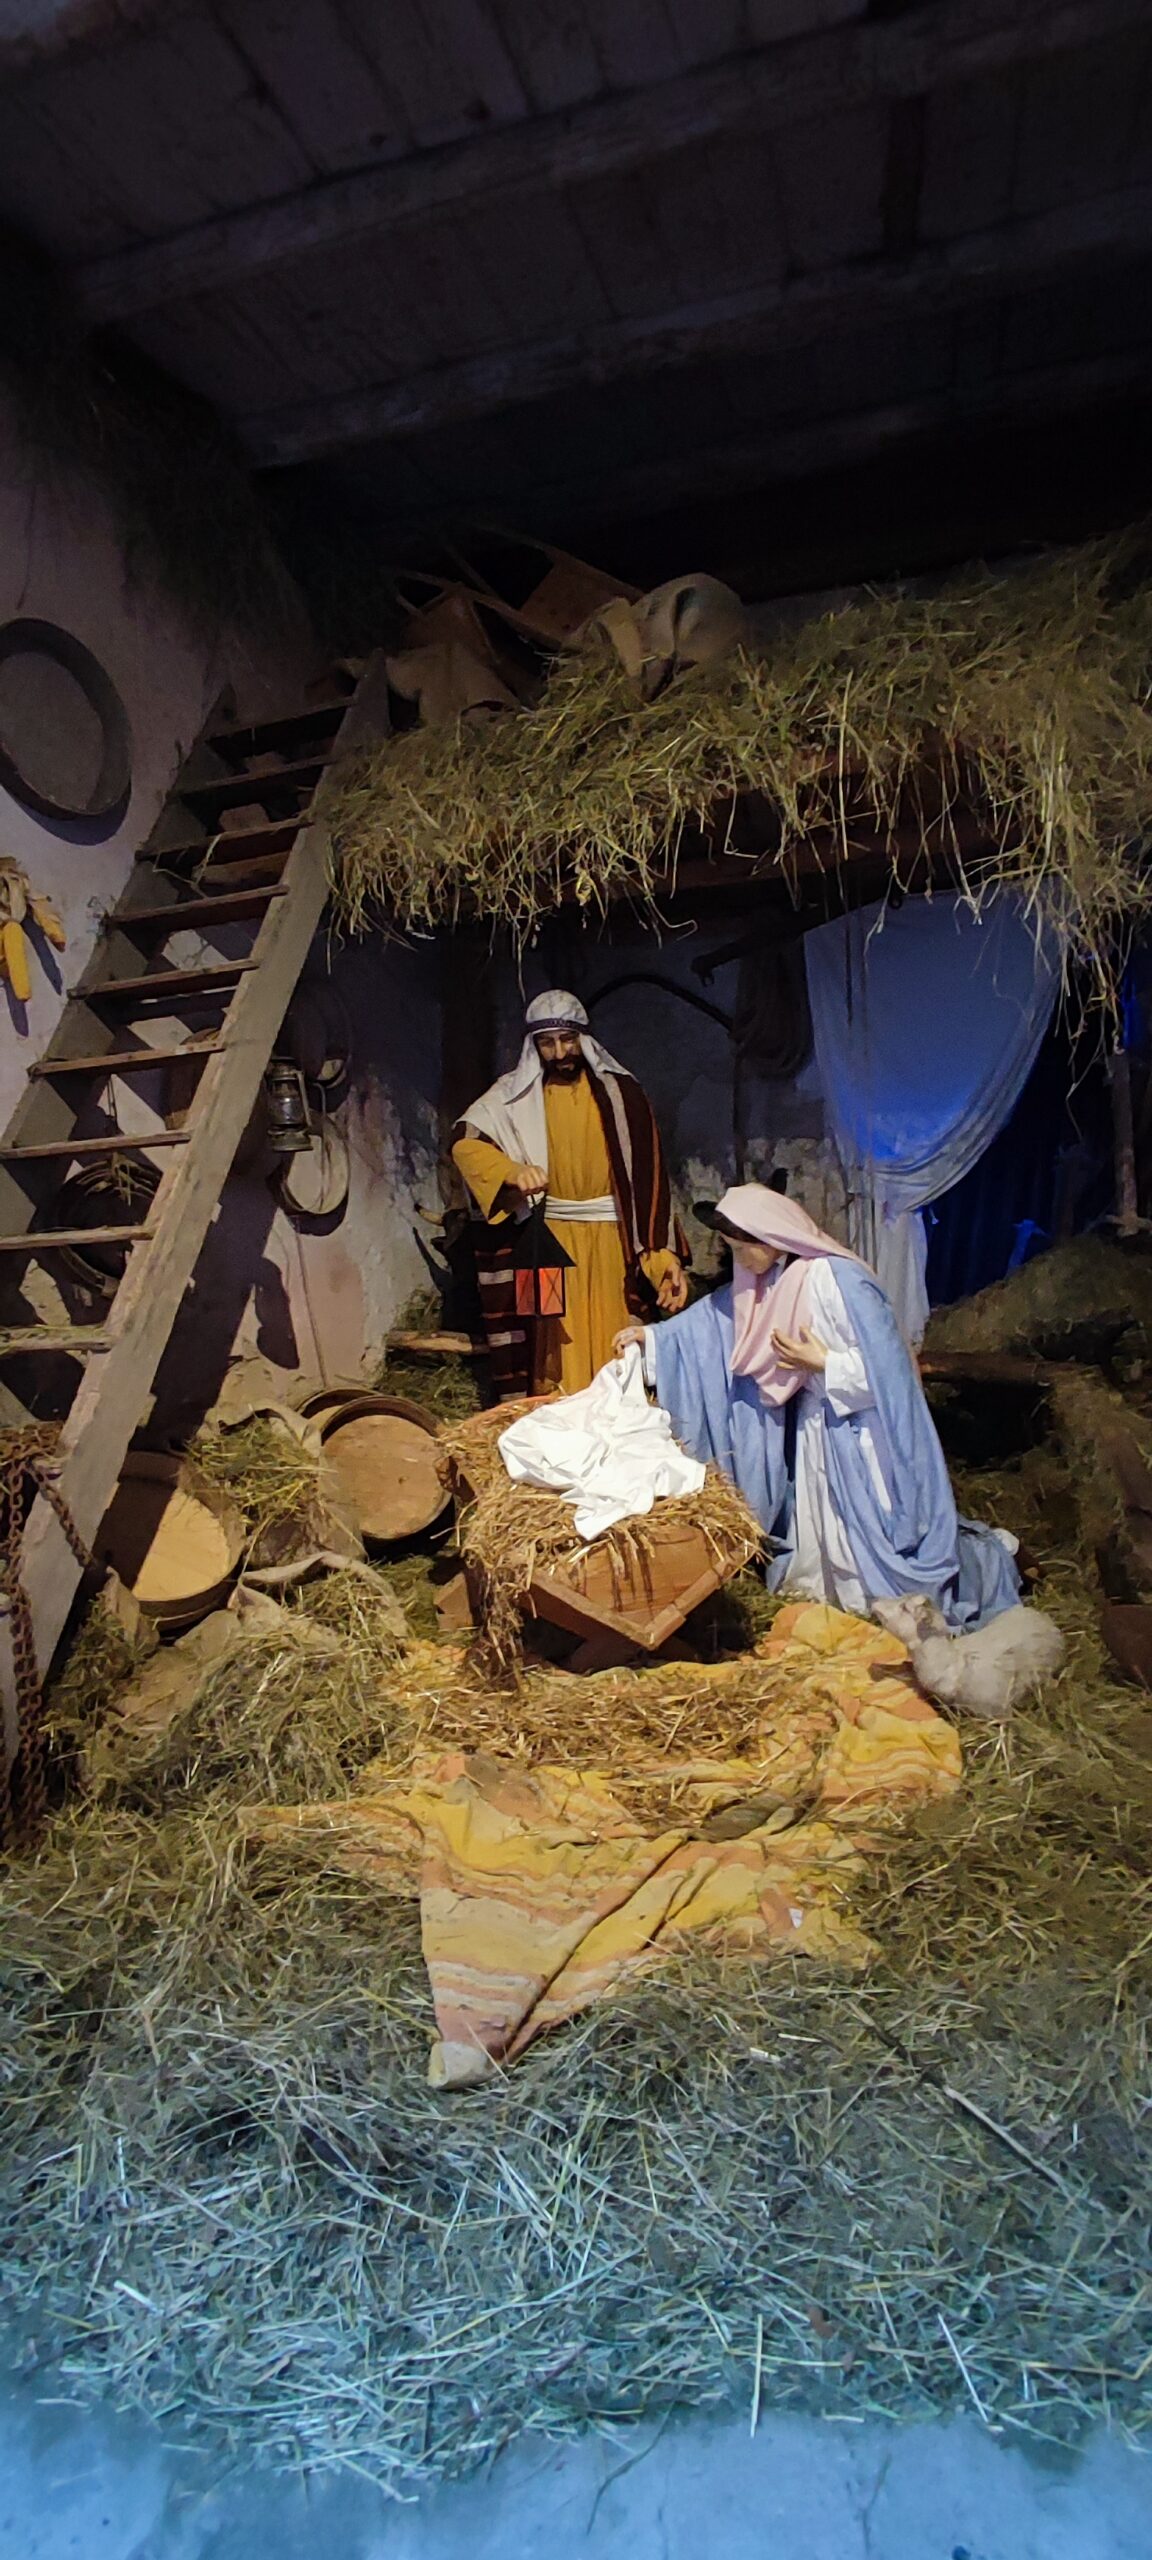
(26, 1466)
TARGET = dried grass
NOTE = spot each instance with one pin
(1087, 1299)
(1026, 695)
(234, 2199)
(273, 1478)
(294, 1711)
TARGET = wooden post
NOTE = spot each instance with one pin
(1123, 1143)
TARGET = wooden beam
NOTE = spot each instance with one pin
(837, 444)
(806, 80)
(769, 319)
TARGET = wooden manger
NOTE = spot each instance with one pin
(624, 1594)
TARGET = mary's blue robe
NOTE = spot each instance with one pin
(920, 1545)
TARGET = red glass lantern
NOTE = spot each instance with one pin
(539, 1263)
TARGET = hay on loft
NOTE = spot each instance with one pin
(1024, 695)
(509, 1533)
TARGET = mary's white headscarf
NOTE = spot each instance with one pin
(512, 1113)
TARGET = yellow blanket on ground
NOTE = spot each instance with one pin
(539, 1891)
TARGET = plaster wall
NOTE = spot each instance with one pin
(282, 1302)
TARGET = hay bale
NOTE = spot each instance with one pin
(1107, 1449)
(1086, 1300)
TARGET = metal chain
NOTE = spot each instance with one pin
(25, 1460)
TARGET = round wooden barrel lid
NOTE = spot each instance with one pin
(387, 1458)
(172, 1537)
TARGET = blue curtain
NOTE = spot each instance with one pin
(927, 1019)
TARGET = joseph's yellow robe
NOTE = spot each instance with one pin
(568, 1350)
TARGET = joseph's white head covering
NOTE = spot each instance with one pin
(511, 1113)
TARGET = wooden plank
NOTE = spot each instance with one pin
(271, 864)
(988, 1369)
(38, 1240)
(831, 444)
(553, 52)
(203, 849)
(20, 1342)
(323, 78)
(807, 80)
(438, 1346)
(122, 1062)
(447, 66)
(214, 980)
(113, 1391)
(255, 737)
(242, 906)
(115, 1144)
(221, 789)
(171, 125)
(797, 311)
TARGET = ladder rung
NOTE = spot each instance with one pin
(49, 1239)
(241, 786)
(165, 982)
(114, 1144)
(270, 863)
(256, 736)
(206, 846)
(122, 1061)
(200, 910)
(17, 1340)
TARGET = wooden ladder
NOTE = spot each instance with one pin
(237, 851)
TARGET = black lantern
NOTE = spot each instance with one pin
(539, 1263)
(289, 1128)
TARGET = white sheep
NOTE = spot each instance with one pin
(985, 1673)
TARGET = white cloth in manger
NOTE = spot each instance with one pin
(607, 1451)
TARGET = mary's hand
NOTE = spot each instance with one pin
(627, 1335)
(805, 1351)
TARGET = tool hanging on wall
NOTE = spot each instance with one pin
(20, 904)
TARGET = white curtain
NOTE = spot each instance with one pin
(926, 1020)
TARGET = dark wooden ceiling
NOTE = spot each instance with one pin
(610, 270)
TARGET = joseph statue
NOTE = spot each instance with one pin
(570, 1127)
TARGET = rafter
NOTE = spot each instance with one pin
(768, 320)
(804, 81)
(1042, 393)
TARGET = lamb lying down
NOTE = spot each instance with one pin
(983, 1674)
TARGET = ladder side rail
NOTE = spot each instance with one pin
(114, 1390)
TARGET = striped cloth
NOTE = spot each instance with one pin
(539, 1891)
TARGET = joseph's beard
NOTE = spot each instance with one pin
(564, 1071)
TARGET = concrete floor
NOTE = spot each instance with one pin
(95, 2487)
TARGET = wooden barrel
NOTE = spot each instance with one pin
(386, 1454)
(324, 1400)
(174, 1540)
